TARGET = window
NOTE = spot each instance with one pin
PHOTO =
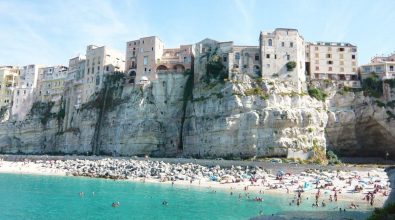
(98, 80)
(107, 68)
(328, 55)
(342, 62)
(237, 56)
(341, 49)
(317, 68)
(354, 69)
(288, 57)
(244, 66)
(224, 58)
(354, 50)
(391, 68)
(98, 68)
(354, 63)
(270, 42)
(24, 92)
(316, 48)
(267, 56)
(317, 62)
(330, 68)
(152, 48)
(330, 62)
(145, 60)
(282, 44)
(268, 65)
(329, 48)
(353, 57)
(291, 44)
(256, 57)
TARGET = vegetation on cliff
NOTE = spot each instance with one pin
(215, 69)
(372, 86)
(317, 94)
(291, 65)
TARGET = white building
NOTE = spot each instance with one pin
(382, 66)
(332, 61)
(279, 51)
(99, 62)
(23, 97)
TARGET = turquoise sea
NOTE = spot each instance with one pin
(52, 197)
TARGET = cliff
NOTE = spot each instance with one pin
(178, 115)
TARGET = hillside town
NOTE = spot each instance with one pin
(282, 55)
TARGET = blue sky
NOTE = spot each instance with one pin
(52, 31)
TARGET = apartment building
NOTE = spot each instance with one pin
(332, 61)
(24, 93)
(283, 56)
(9, 77)
(74, 87)
(100, 61)
(146, 57)
(382, 66)
(51, 83)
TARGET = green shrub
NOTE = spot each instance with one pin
(291, 65)
(258, 92)
(390, 82)
(215, 70)
(317, 94)
(310, 130)
(373, 86)
(380, 104)
(332, 157)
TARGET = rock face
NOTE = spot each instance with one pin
(357, 125)
(240, 118)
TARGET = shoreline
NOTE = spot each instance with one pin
(237, 188)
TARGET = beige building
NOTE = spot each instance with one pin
(332, 61)
(146, 57)
(9, 77)
(237, 60)
(100, 61)
(51, 84)
(279, 49)
(74, 87)
(24, 93)
(382, 66)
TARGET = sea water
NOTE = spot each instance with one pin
(53, 197)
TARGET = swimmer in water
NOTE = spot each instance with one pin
(165, 202)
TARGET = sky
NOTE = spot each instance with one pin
(50, 32)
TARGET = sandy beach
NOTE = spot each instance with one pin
(323, 186)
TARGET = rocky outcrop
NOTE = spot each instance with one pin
(360, 126)
(178, 115)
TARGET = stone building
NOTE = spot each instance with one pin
(74, 87)
(100, 61)
(332, 61)
(382, 66)
(24, 94)
(51, 84)
(237, 60)
(146, 57)
(9, 77)
(283, 56)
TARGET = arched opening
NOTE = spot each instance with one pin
(179, 68)
(132, 73)
(270, 42)
(257, 70)
(161, 68)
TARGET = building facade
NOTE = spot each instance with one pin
(283, 56)
(333, 61)
(382, 66)
(100, 61)
(51, 83)
(9, 78)
(24, 93)
(146, 57)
